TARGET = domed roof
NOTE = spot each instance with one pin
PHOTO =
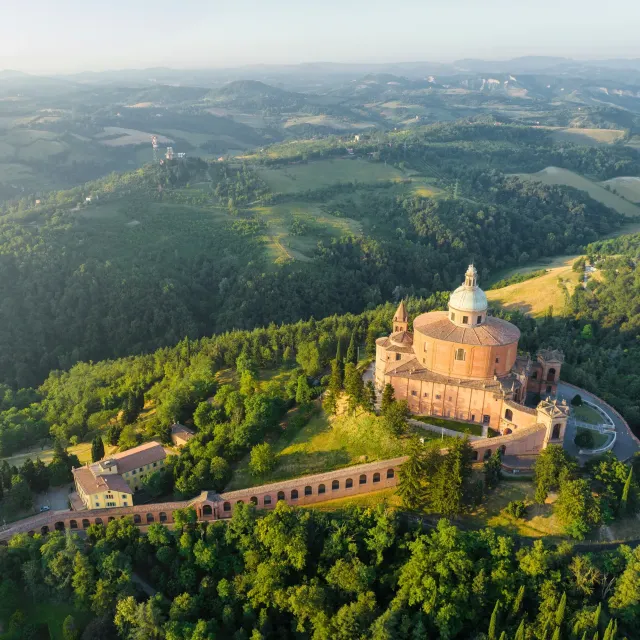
(469, 296)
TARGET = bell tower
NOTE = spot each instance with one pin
(401, 318)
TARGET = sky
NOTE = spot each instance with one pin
(64, 36)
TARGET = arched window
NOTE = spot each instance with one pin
(44, 530)
(266, 500)
(226, 506)
(239, 501)
(363, 479)
(308, 491)
(474, 456)
(321, 489)
(335, 485)
(110, 519)
(556, 432)
(150, 518)
(73, 524)
(280, 495)
(461, 355)
(465, 319)
(253, 500)
(508, 414)
(376, 477)
(98, 520)
(390, 474)
(294, 494)
(207, 510)
(136, 519)
(163, 516)
(59, 526)
(348, 483)
(479, 320)
(487, 454)
(551, 375)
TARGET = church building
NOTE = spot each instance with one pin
(463, 364)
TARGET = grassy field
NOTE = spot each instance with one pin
(590, 137)
(627, 187)
(587, 414)
(324, 444)
(45, 453)
(538, 522)
(554, 175)
(462, 427)
(536, 295)
(314, 175)
(53, 615)
(388, 496)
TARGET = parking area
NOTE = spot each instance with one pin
(56, 498)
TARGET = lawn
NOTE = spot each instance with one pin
(45, 453)
(627, 187)
(314, 175)
(538, 522)
(599, 439)
(586, 414)
(536, 295)
(555, 175)
(462, 427)
(389, 496)
(324, 444)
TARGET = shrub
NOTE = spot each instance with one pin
(516, 508)
(584, 439)
(576, 401)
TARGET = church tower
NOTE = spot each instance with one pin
(401, 318)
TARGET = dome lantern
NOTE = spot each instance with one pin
(468, 303)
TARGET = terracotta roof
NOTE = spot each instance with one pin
(98, 484)
(551, 355)
(401, 313)
(139, 456)
(492, 332)
(181, 429)
(402, 338)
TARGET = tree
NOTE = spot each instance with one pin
(449, 490)
(303, 391)
(388, 396)
(493, 470)
(70, 629)
(20, 497)
(412, 478)
(493, 622)
(354, 387)
(395, 417)
(97, 449)
(129, 438)
(576, 401)
(552, 465)
(576, 508)
(308, 357)
(369, 400)
(624, 500)
(352, 351)
(263, 459)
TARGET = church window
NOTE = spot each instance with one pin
(479, 320)
(438, 396)
(486, 419)
(556, 432)
(497, 360)
(508, 414)
(461, 354)
(398, 356)
(413, 393)
(453, 316)
(534, 375)
(426, 395)
(465, 319)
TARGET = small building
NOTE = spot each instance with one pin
(180, 434)
(112, 481)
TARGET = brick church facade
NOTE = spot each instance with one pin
(463, 364)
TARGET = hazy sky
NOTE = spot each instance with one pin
(75, 35)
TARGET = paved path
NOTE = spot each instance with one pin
(626, 445)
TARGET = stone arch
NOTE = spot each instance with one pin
(321, 489)
(73, 524)
(253, 500)
(163, 516)
(280, 495)
(335, 485)
(551, 375)
(150, 518)
(487, 454)
(508, 414)
(362, 479)
(240, 502)
(390, 474)
(555, 435)
(44, 530)
(348, 484)
(294, 494)
(226, 506)
(207, 510)
(110, 519)
(59, 526)
(136, 518)
(308, 491)
(31, 533)
(503, 449)
(376, 477)
(266, 500)
(99, 521)
(86, 524)
(474, 456)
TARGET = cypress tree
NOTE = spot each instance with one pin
(556, 634)
(493, 623)
(520, 632)
(611, 630)
(517, 603)
(97, 449)
(369, 396)
(410, 483)
(624, 500)
(503, 635)
(561, 609)
(596, 616)
(388, 396)
(352, 351)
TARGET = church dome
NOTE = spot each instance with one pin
(465, 299)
